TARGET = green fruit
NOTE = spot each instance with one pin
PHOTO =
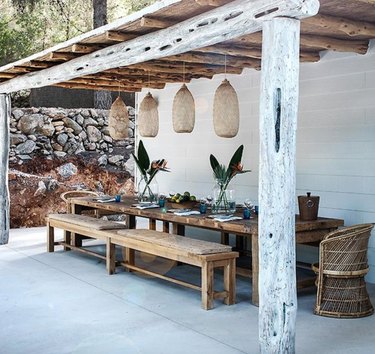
(193, 198)
(178, 195)
(187, 194)
(177, 200)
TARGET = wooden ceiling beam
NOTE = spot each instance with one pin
(195, 57)
(98, 88)
(212, 3)
(339, 45)
(7, 75)
(152, 22)
(340, 25)
(85, 48)
(61, 56)
(226, 22)
(115, 84)
(255, 53)
(117, 36)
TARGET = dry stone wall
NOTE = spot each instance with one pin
(58, 133)
(54, 150)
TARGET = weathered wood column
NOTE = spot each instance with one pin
(278, 121)
(4, 159)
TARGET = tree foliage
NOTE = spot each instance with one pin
(29, 26)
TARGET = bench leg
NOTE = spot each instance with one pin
(110, 256)
(230, 282)
(67, 240)
(129, 257)
(50, 238)
(207, 285)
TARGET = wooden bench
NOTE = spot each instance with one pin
(203, 254)
(82, 225)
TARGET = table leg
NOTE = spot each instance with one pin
(224, 238)
(178, 229)
(166, 227)
(255, 268)
(132, 222)
(152, 224)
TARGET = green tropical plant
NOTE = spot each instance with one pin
(148, 169)
(224, 175)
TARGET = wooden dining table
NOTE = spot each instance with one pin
(307, 232)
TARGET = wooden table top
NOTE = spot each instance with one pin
(239, 227)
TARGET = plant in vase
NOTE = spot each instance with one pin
(223, 198)
(147, 187)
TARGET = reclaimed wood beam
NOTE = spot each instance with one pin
(97, 87)
(7, 75)
(341, 25)
(152, 22)
(116, 36)
(193, 57)
(5, 111)
(61, 56)
(229, 21)
(338, 45)
(212, 3)
(85, 48)
(277, 185)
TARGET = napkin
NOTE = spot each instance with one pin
(146, 206)
(186, 213)
(223, 218)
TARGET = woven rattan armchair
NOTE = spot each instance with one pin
(73, 194)
(340, 273)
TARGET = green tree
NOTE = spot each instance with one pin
(18, 36)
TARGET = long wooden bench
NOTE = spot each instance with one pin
(203, 254)
(82, 225)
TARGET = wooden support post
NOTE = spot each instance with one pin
(4, 160)
(277, 187)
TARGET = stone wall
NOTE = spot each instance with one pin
(53, 150)
(52, 132)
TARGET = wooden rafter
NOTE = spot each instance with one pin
(237, 18)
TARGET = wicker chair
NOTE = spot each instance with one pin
(78, 193)
(340, 273)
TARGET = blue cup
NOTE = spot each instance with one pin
(246, 213)
(118, 198)
(161, 203)
(202, 208)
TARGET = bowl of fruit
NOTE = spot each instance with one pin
(181, 201)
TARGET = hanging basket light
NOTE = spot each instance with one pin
(226, 111)
(183, 113)
(118, 121)
(148, 117)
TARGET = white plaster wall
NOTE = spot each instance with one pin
(335, 141)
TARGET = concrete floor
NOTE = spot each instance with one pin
(66, 303)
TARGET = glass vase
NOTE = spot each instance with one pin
(223, 199)
(148, 192)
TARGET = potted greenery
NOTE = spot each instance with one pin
(147, 186)
(223, 197)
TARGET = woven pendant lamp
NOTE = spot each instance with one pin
(118, 121)
(183, 113)
(148, 117)
(226, 111)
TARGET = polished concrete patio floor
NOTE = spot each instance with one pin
(64, 302)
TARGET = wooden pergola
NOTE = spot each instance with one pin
(208, 37)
